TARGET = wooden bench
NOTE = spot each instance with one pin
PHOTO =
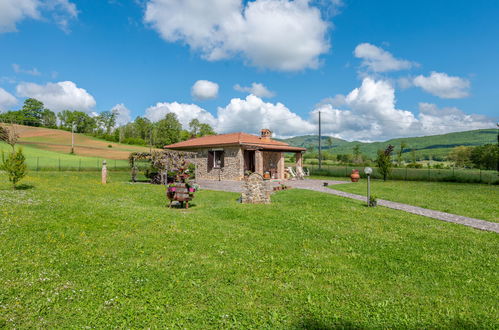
(181, 195)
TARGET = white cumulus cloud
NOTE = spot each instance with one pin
(276, 34)
(252, 114)
(442, 85)
(257, 89)
(58, 96)
(377, 59)
(436, 120)
(185, 113)
(123, 114)
(204, 90)
(6, 100)
(14, 11)
(370, 114)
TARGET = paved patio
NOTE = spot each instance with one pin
(317, 185)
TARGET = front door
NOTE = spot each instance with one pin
(249, 160)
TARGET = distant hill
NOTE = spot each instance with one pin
(436, 146)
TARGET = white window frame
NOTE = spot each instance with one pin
(218, 152)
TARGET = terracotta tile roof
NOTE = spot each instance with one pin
(233, 139)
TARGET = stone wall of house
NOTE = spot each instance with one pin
(233, 165)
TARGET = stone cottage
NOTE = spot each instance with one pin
(232, 156)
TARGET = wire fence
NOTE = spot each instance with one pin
(413, 174)
(74, 164)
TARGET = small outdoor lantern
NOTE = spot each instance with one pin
(368, 172)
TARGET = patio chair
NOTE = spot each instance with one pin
(291, 172)
(299, 172)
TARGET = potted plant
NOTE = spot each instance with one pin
(355, 176)
(373, 201)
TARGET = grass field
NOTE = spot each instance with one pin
(40, 159)
(59, 141)
(78, 254)
(472, 200)
(413, 174)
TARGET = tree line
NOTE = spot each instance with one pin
(139, 132)
(485, 157)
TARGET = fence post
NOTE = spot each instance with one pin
(37, 163)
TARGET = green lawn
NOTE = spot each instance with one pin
(46, 159)
(76, 254)
(473, 200)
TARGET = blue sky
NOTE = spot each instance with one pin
(375, 69)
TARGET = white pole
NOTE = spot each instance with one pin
(368, 188)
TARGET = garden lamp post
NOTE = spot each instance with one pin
(368, 172)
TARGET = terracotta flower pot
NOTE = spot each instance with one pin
(355, 176)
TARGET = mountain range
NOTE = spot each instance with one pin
(434, 146)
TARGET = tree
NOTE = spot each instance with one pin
(461, 156)
(198, 129)
(12, 117)
(48, 119)
(357, 156)
(32, 112)
(107, 119)
(384, 161)
(66, 119)
(194, 127)
(142, 127)
(167, 130)
(485, 157)
(82, 121)
(206, 129)
(9, 135)
(15, 165)
(403, 145)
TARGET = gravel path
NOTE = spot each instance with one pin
(317, 185)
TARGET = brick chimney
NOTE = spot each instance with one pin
(265, 134)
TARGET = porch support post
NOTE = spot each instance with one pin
(259, 162)
(299, 159)
(280, 167)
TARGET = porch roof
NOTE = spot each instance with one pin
(241, 139)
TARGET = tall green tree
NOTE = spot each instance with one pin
(107, 119)
(167, 131)
(198, 129)
(384, 161)
(48, 119)
(32, 112)
(142, 127)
